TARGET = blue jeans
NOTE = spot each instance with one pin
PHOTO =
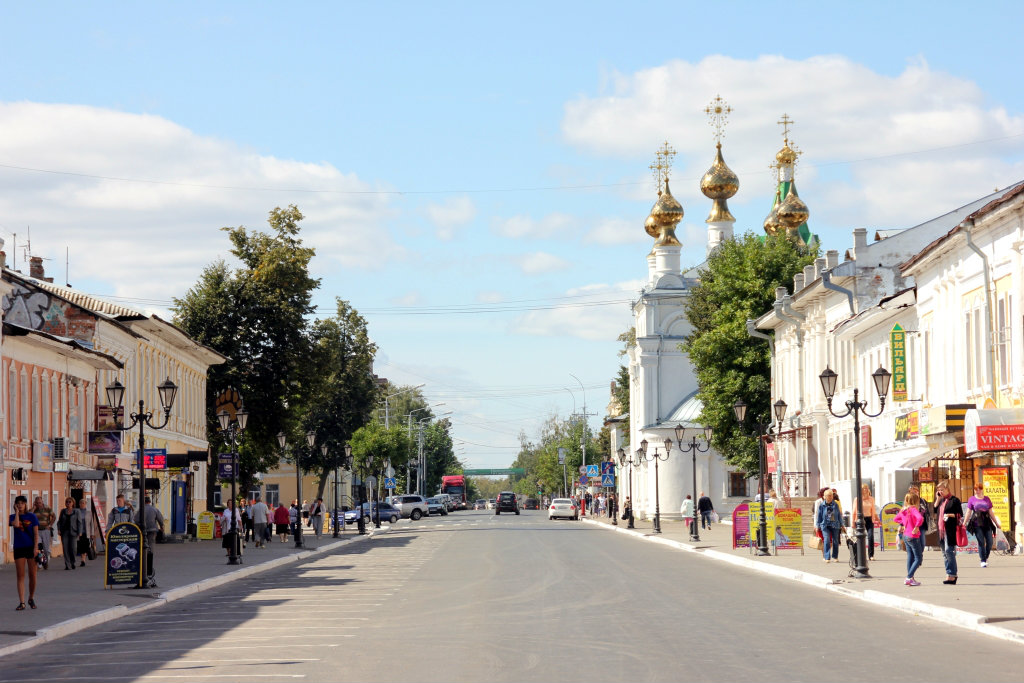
(949, 555)
(985, 541)
(705, 519)
(915, 554)
(831, 543)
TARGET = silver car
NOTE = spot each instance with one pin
(411, 506)
(436, 506)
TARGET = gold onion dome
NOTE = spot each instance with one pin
(786, 156)
(667, 212)
(792, 211)
(772, 224)
(719, 184)
(651, 226)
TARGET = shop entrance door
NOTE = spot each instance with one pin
(177, 507)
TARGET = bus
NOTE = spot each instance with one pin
(455, 486)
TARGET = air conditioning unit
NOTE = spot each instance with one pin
(60, 448)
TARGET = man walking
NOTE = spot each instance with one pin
(705, 508)
(46, 518)
(316, 518)
(260, 516)
(119, 513)
(150, 520)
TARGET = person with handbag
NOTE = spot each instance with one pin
(948, 512)
(69, 528)
(981, 522)
(25, 527)
(829, 521)
(85, 547)
(910, 520)
(46, 519)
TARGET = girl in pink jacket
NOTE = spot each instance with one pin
(910, 518)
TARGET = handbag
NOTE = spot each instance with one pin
(82, 548)
(961, 534)
(817, 543)
(90, 551)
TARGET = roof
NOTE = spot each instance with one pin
(66, 347)
(687, 413)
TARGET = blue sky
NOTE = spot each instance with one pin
(488, 159)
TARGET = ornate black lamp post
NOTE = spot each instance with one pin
(346, 461)
(374, 503)
(692, 448)
(655, 457)
(740, 410)
(623, 460)
(232, 431)
(166, 390)
(881, 378)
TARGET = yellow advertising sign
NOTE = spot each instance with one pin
(927, 491)
(996, 481)
(890, 529)
(788, 529)
(898, 349)
(205, 526)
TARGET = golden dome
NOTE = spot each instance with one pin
(792, 211)
(667, 210)
(772, 225)
(719, 182)
(651, 226)
(786, 156)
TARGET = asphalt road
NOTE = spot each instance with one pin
(479, 597)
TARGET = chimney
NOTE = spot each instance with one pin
(809, 274)
(860, 241)
(35, 269)
(819, 264)
(798, 282)
(780, 292)
(831, 259)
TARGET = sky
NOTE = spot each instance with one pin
(475, 177)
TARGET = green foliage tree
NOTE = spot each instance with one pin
(540, 460)
(738, 282)
(439, 454)
(256, 315)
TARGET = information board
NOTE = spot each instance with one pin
(741, 526)
(996, 481)
(890, 529)
(789, 527)
(206, 526)
(123, 556)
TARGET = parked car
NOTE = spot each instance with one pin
(412, 506)
(490, 504)
(449, 503)
(508, 502)
(532, 504)
(388, 513)
(563, 507)
(480, 504)
(436, 506)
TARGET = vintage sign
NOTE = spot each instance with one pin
(898, 349)
(206, 526)
(1000, 437)
(890, 529)
(123, 556)
(789, 530)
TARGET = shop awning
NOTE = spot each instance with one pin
(991, 430)
(86, 475)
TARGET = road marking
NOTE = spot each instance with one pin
(247, 639)
(185, 649)
(276, 620)
(159, 675)
(222, 627)
(77, 663)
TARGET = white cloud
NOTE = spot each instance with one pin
(599, 312)
(123, 231)
(518, 227)
(541, 262)
(450, 216)
(489, 297)
(844, 112)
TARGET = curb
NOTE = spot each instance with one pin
(66, 628)
(947, 615)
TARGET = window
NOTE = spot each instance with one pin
(969, 350)
(273, 494)
(217, 497)
(737, 484)
(979, 350)
(254, 493)
(1003, 339)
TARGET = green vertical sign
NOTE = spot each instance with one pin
(898, 348)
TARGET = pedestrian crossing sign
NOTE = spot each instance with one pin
(593, 471)
(608, 480)
(389, 483)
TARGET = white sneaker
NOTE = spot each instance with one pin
(984, 564)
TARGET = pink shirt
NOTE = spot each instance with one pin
(911, 519)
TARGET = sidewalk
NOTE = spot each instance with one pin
(70, 601)
(989, 601)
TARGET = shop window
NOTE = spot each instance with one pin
(737, 484)
(273, 494)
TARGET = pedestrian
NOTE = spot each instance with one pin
(829, 521)
(774, 499)
(316, 518)
(949, 512)
(870, 513)
(981, 522)
(26, 540)
(627, 508)
(705, 508)
(910, 520)
(260, 515)
(285, 518)
(150, 521)
(46, 519)
(613, 505)
(686, 510)
(85, 540)
(230, 523)
(69, 528)
(587, 501)
(119, 513)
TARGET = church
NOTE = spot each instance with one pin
(663, 382)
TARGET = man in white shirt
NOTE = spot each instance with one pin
(260, 517)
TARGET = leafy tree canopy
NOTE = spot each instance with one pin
(738, 282)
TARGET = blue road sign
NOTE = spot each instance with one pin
(608, 480)
(389, 483)
(593, 470)
(607, 467)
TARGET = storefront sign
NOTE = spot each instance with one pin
(205, 526)
(105, 442)
(907, 426)
(994, 430)
(789, 529)
(107, 463)
(123, 556)
(996, 481)
(898, 348)
(741, 526)
(1000, 437)
(225, 466)
(105, 421)
(927, 491)
(890, 529)
(154, 458)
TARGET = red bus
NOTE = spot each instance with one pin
(455, 486)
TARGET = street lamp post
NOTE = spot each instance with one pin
(694, 449)
(374, 503)
(655, 457)
(623, 461)
(282, 441)
(166, 390)
(360, 522)
(881, 378)
(739, 409)
(232, 430)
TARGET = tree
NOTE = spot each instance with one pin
(256, 315)
(738, 282)
(439, 454)
(341, 390)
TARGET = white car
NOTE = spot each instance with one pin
(563, 507)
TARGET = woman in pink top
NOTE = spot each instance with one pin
(910, 518)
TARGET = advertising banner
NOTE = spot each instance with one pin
(42, 456)
(741, 526)
(205, 524)
(225, 466)
(105, 421)
(996, 481)
(789, 529)
(108, 443)
(890, 529)
(123, 556)
(898, 349)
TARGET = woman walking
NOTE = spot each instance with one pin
(26, 540)
(86, 538)
(686, 511)
(829, 521)
(981, 522)
(316, 518)
(870, 515)
(910, 519)
(282, 520)
(69, 527)
(949, 512)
